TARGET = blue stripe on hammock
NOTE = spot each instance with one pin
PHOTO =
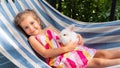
(11, 37)
(8, 19)
(91, 35)
(26, 5)
(102, 24)
(8, 46)
(104, 45)
(11, 9)
(12, 51)
(17, 5)
(3, 13)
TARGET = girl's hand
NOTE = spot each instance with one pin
(71, 46)
(80, 42)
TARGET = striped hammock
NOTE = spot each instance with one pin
(15, 51)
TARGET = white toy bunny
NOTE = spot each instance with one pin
(68, 34)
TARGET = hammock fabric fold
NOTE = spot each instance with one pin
(15, 51)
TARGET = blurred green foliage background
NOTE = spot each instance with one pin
(87, 10)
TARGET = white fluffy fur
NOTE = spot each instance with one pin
(68, 34)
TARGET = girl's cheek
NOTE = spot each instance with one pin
(38, 26)
(26, 31)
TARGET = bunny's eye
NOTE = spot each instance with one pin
(64, 34)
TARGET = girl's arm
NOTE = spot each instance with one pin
(46, 53)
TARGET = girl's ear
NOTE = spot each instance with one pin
(71, 27)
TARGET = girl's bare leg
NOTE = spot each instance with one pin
(108, 54)
(101, 63)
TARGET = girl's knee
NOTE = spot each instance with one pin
(98, 62)
(102, 54)
(95, 63)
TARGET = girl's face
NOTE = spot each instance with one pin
(30, 26)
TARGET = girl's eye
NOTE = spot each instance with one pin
(26, 27)
(32, 22)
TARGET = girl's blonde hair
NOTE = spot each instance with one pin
(22, 15)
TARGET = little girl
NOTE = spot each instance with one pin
(46, 43)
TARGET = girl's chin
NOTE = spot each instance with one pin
(35, 33)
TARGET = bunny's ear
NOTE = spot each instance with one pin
(71, 27)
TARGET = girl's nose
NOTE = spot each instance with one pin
(31, 27)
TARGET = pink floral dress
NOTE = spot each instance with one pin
(77, 58)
